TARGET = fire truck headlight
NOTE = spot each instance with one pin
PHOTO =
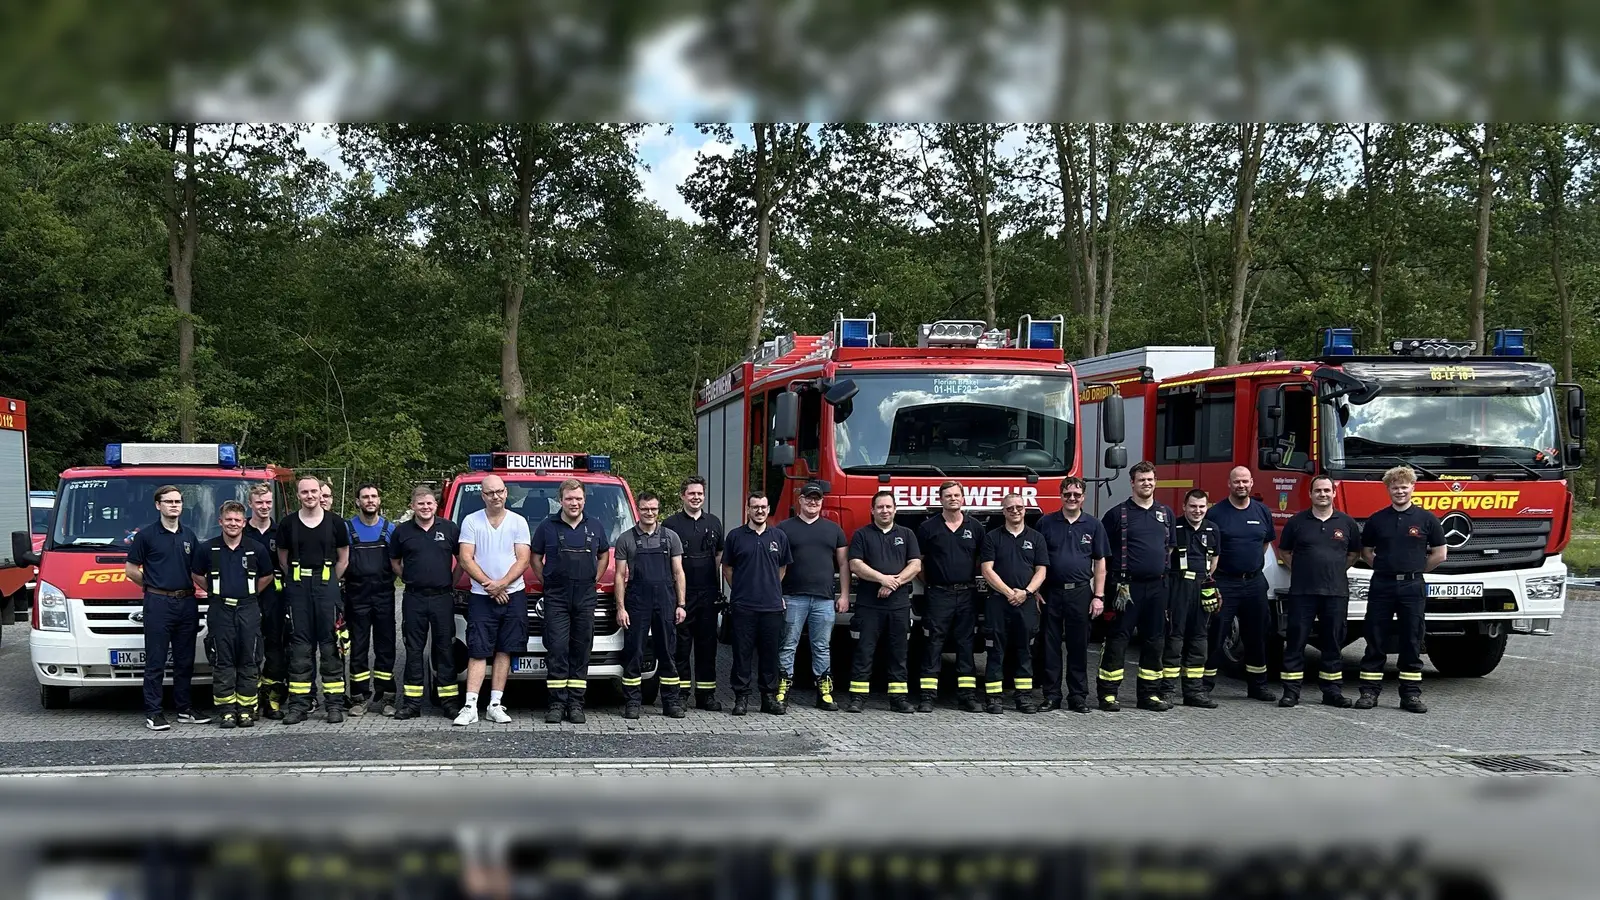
(1358, 589)
(1546, 587)
(52, 608)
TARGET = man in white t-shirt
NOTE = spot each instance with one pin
(495, 549)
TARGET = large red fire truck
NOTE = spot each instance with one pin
(994, 409)
(534, 484)
(87, 618)
(1482, 433)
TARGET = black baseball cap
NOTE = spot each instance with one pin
(812, 489)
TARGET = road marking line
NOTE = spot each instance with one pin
(1553, 662)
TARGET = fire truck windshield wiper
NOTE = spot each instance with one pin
(1420, 470)
(1532, 472)
(898, 469)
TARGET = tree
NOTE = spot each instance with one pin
(512, 204)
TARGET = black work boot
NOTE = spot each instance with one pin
(1026, 704)
(741, 704)
(1336, 698)
(925, 702)
(1264, 694)
(900, 703)
(994, 706)
(1199, 700)
(1367, 700)
(1413, 704)
(1290, 698)
(1108, 703)
(969, 702)
(707, 700)
(1050, 704)
(772, 706)
(552, 716)
(857, 704)
(825, 694)
(630, 710)
(1154, 703)
(575, 713)
(294, 715)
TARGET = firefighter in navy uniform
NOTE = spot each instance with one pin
(702, 537)
(572, 551)
(422, 552)
(1247, 531)
(884, 558)
(233, 570)
(1400, 542)
(1014, 562)
(274, 682)
(1191, 599)
(1074, 593)
(314, 548)
(1140, 532)
(650, 604)
(950, 543)
(1318, 545)
(369, 605)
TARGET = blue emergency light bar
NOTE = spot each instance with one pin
(856, 332)
(1338, 342)
(225, 456)
(539, 462)
(1509, 342)
(1039, 334)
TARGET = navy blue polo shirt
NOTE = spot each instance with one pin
(427, 556)
(1150, 536)
(571, 552)
(702, 541)
(267, 539)
(1196, 546)
(888, 553)
(1244, 532)
(949, 558)
(238, 568)
(1073, 547)
(1320, 549)
(1400, 540)
(165, 555)
(756, 559)
(1015, 556)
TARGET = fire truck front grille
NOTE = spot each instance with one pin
(117, 618)
(1499, 544)
(605, 618)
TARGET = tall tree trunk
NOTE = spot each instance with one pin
(183, 234)
(980, 193)
(758, 308)
(1556, 172)
(513, 391)
(1251, 138)
(1072, 231)
(1480, 245)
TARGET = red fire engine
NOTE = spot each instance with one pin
(1482, 433)
(15, 571)
(993, 409)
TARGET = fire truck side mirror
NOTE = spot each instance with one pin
(840, 392)
(22, 548)
(1577, 413)
(1112, 427)
(1269, 413)
(781, 454)
(1116, 458)
(786, 417)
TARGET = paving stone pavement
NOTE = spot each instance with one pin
(1544, 700)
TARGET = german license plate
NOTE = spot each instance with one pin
(1456, 590)
(528, 665)
(127, 659)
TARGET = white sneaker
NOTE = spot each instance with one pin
(468, 715)
(497, 714)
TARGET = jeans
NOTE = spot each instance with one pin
(807, 611)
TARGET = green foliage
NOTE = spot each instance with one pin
(350, 317)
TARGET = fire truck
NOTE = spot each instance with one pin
(995, 409)
(1483, 434)
(87, 621)
(533, 484)
(15, 571)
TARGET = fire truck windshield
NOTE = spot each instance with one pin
(957, 422)
(539, 500)
(1505, 428)
(105, 512)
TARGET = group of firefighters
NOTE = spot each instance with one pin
(302, 596)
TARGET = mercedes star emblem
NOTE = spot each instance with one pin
(1457, 530)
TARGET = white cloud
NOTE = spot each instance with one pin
(667, 157)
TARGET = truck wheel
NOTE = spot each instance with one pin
(54, 696)
(650, 689)
(1469, 655)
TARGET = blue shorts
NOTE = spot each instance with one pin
(493, 628)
